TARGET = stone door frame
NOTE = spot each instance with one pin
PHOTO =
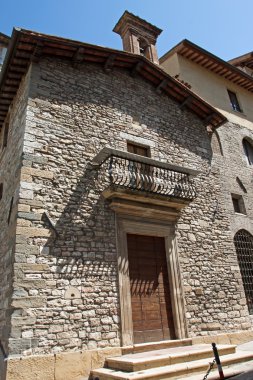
(142, 226)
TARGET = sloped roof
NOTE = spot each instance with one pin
(27, 46)
(212, 63)
(4, 38)
(243, 60)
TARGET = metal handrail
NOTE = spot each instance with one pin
(136, 174)
(107, 152)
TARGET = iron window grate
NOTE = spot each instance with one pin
(244, 248)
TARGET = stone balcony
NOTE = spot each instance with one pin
(132, 179)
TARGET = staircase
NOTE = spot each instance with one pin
(168, 360)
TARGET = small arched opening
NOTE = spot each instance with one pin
(216, 144)
(144, 48)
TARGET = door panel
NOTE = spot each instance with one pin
(150, 293)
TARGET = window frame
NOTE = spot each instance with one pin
(248, 151)
(238, 204)
(137, 146)
(234, 101)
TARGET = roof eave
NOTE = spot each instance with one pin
(38, 45)
(244, 80)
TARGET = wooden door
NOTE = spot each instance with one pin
(150, 293)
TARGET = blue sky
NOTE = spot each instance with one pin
(223, 27)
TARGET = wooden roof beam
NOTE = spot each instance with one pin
(37, 52)
(188, 53)
(194, 56)
(18, 69)
(137, 68)
(209, 63)
(247, 86)
(108, 66)
(162, 86)
(243, 83)
(199, 59)
(222, 71)
(186, 102)
(213, 66)
(208, 118)
(232, 76)
(78, 57)
(239, 82)
(10, 90)
(204, 61)
(6, 102)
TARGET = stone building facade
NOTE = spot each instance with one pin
(228, 87)
(73, 192)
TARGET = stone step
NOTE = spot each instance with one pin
(151, 346)
(229, 371)
(170, 372)
(164, 357)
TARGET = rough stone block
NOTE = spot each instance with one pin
(23, 223)
(72, 365)
(29, 216)
(23, 321)
(31, 368)
(26, 302)
(23, 208)
(37, 173)
(33, 232)
(17, 346)
(27, 248)
(26, 194)
(98, 356)
(32, 268)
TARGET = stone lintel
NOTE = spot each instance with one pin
(37, 172)
(33, 232)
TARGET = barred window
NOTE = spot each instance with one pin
(243, 241)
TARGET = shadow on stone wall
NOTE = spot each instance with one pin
(80, 282)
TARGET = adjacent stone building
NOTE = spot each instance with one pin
(117, 223)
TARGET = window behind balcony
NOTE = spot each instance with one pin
(234, 101)
(138, 149)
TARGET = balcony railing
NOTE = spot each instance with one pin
(143, 174)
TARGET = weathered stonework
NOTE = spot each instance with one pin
(236, 174)
(65, 273)
(64, 255)
(10, 165)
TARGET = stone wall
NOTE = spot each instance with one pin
(10, 164)
(236, 174)
(66, 290)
